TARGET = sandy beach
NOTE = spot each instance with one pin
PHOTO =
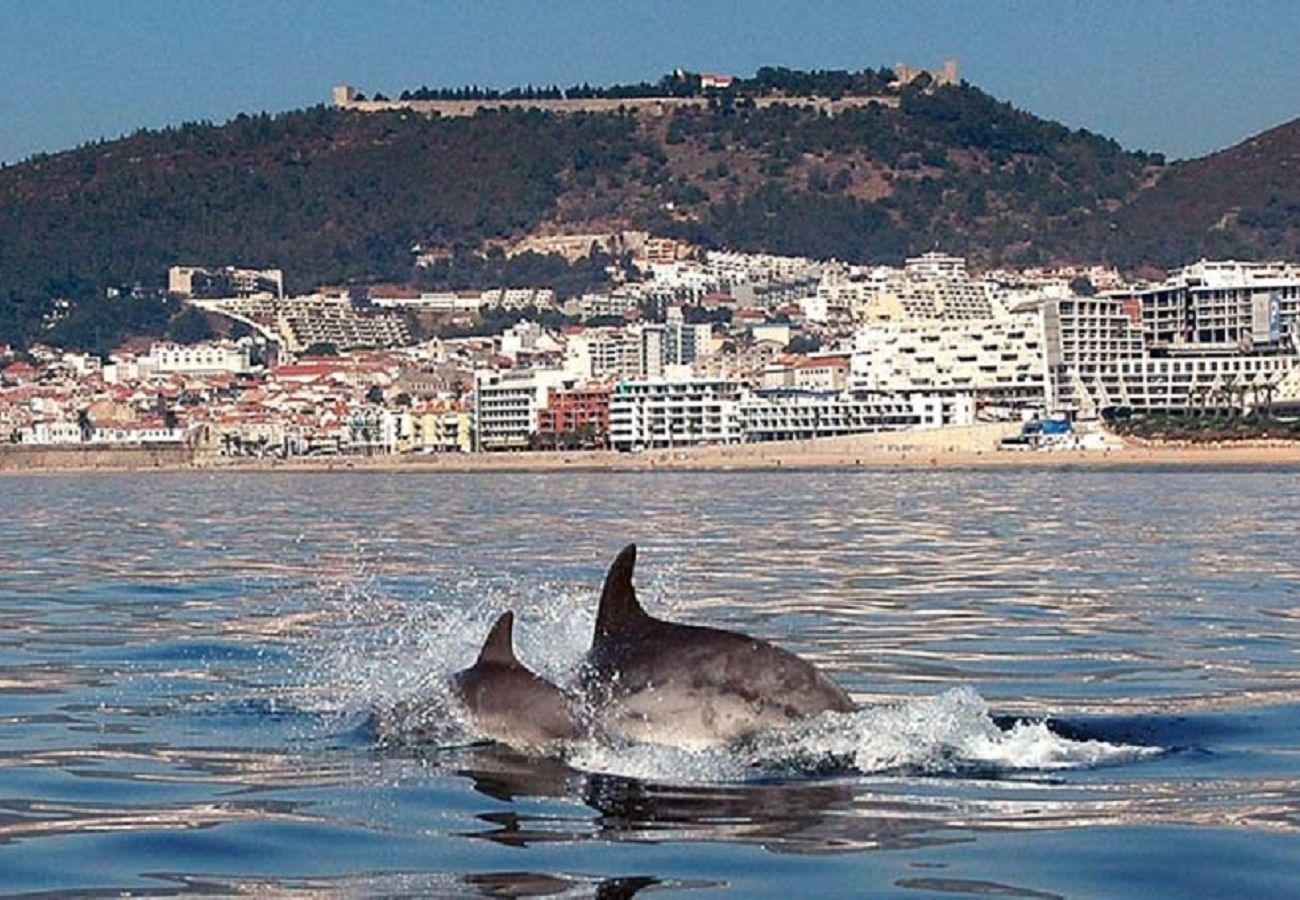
(957, 448)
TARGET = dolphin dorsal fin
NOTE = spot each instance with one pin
(619, 609)
(499, 648)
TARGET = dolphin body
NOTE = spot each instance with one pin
(689, 685)
(509, 703)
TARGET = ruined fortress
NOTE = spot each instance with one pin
(345, 97)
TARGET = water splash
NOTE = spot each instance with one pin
(949, 733)
(390, 662)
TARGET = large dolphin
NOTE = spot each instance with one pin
(690, 685)
(509, 703)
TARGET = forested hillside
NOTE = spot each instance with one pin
(336, 197)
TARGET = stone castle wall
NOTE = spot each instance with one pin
(655, 106)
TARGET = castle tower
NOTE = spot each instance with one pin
(344, 94)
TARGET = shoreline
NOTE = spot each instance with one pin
(802, 456)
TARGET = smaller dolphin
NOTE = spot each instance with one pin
(509, 703)
(691, 685)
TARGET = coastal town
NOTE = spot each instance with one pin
(690, 347)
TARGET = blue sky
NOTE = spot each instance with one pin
(1185, 78)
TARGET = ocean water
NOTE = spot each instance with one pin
(1073, 684)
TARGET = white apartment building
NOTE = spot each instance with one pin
(643, 350)
(199, 359)
(999, 361)
(818, 372)
(660, 413)
(1097, 359)
(506, 405)
(602, 353)
(430, 301)
(519, 298)
(758, 267)
(935, 265)
(525, 337)
(798, 415)
(930, 286)
(299, 322)
(591, 306)
(1224, 303)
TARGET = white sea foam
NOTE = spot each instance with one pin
(949, 733)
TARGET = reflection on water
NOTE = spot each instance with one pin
(186, 662)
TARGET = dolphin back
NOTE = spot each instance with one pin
(692, 685)
(619, 610)
(499, 648)
(507, 701)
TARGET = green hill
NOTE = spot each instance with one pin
(337, 196)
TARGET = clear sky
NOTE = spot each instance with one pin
(1185, 77)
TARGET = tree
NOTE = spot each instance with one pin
(190, 327)
(85, 426)
(804, 343)
(1082, 287)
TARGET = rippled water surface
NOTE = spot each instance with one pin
(1077, 684)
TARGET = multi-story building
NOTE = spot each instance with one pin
(998, 361)
(656, 413)
(603, 353)
(796, 415)
(616, 305)
(199, 359)
(506, 405)
(1244, 305)
(635, 351)
(300, 322)
(576, 416)
(1097, 359)
(683, 341)
(443, 428)
(821, 372)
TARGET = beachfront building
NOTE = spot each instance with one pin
(1098, 358)
(47, 433)
(997, 363)
(506, 405)
(443, 427)
(576, 416)
(1225, 304)
(792, 414)
(657, 412)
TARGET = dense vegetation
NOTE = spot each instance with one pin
(1207, 429)
(767, 81)
(336, 197)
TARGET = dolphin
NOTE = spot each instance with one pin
(690, 685)
(509, 703)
